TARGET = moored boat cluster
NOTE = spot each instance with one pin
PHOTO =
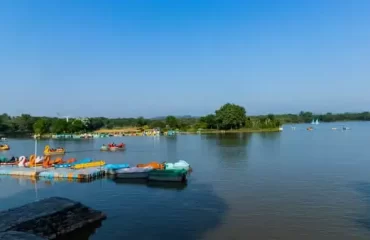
(153, 171)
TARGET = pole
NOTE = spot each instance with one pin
(35, 166)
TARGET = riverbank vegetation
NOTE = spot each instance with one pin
(230, 117)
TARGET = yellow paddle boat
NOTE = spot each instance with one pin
(49, 151)
(88, 165)
(4, 147)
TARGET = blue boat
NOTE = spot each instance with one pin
(116, 166)
(67, 165)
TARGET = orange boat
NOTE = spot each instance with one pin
(154, 165)
(49, 163)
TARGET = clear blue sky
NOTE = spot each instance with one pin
(153, 58)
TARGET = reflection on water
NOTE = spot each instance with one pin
(82, 234)
(287, 185)
(144, 182)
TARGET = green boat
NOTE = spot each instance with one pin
(168, 175)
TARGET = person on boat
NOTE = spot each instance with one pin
(13, 159)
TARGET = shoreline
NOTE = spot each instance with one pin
(243, 130)
(206, 131)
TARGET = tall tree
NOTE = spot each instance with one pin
(41, 126)
(209, 120)
(172, 122)
(141, 121)
(231, 116)
(59, 126)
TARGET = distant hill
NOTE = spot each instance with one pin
(180, 117)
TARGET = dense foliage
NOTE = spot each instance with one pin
(229, 116)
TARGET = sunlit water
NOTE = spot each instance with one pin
(289, 185)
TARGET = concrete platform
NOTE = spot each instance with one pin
(20, 171)
(49, 218)
(85, 174)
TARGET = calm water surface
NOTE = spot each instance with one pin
(288, 185)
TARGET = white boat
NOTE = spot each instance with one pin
(133, 172)
(3, 139)
(317, 121)
(181, 164)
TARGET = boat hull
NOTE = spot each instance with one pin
(168, 175)
(113, 149)
(134, 175)
(168, 178)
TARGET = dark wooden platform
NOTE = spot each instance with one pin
(49, 218)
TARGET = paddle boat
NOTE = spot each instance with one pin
(104, 148)
(71, 162)
(6, 161)
(49, 151)
(47, 163)
(168, 175)
(181, 164)
(154, 165)
(4, 147)
(133, 172)
(88, 165)
(111, 168)
(34, 161)
(22, 161)
(116, 166)
(115, 147)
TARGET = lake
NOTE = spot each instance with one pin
(295, 184)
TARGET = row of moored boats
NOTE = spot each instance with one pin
(171, 172)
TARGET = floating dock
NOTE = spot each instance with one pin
(86, 174)
(47, 219)
(51, 173)
(20, 171)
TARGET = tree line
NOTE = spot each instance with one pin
(228, 116)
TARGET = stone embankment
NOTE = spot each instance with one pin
(46, 219)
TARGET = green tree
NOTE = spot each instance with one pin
(41, 126)
(209, 121)
(59, 126)
(3, 126)
(172, 122)
(24, 123)
(231, 116)
(157, 124)
(140, 121)
(76, 126)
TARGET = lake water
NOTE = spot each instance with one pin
(289, 185)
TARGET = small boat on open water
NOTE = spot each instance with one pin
(50, 151)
